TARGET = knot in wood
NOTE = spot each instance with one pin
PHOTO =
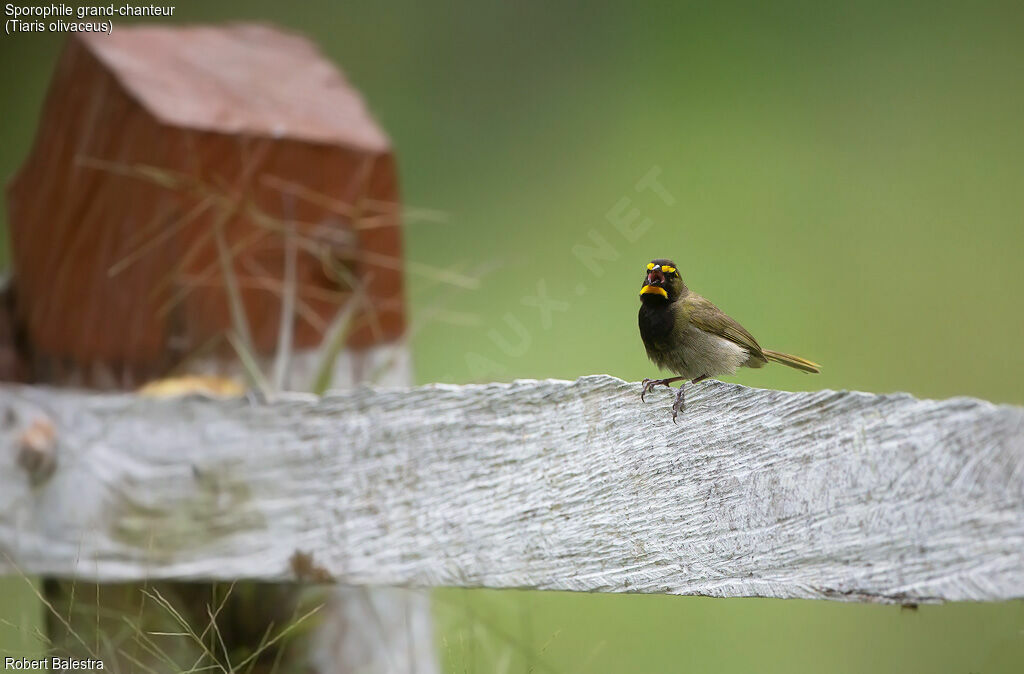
(37, 450)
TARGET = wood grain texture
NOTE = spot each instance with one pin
(535, 484)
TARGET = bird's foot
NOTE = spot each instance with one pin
(680, 404)
(649, 384)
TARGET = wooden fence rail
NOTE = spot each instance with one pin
(534, 484)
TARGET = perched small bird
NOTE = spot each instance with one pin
(687, 334)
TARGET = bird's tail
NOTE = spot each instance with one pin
(792, 361)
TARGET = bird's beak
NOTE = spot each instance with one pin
(653, 290)
(655, 281)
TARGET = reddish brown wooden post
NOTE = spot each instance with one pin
(150, 141)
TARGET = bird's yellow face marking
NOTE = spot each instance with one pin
(653, 290)
(665, 268)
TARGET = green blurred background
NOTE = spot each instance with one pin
(846, 179)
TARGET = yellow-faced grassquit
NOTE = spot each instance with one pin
(687, 334)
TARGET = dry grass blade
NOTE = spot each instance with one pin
(239, 319)
(220, 639)
(111, 648)
(250, 364)
(380, 213)
(259, 281)
(256, 278)
(424, 270)
(138, 663)
(164, 234)
(34, 632)
(459, 319)
(213, 619)
(311, 196)
(281, 635)
(220, 608)
(380, 259)
(97, 627)
(262, 644)
(410, 214)
(334, 342)
(154, 174)
(206, 274)
(173, 612)
(286, 327)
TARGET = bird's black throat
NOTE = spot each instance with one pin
(656, 319)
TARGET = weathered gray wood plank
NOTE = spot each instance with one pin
(535, 484)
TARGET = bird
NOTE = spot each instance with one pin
(687, 334)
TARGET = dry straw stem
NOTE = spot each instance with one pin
(113, 649)
(185, 183)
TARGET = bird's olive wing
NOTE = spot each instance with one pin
(709, 318)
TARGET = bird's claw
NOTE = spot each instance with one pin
(680, 404)
(648, 386)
